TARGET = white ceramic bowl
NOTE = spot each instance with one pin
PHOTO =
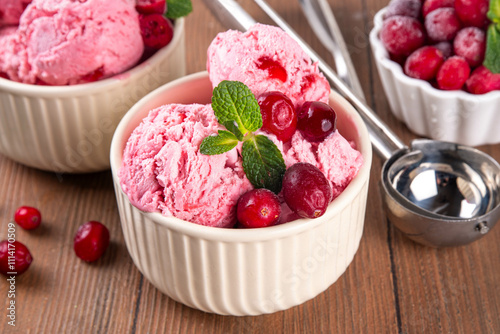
(68, 129)
(236, 271)
(455, 116)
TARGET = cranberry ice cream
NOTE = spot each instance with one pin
(70, 42)
(164, 171)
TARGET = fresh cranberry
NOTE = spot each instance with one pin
(28, 217)
(442, 24)
(430, 5)
(94, 75)
(258, 208)
(473, 12)
(306, 190)
(156, 30)
(482, 81)
(15, 258)
(401, 35)
(453, 73)
(316, 120)
(424, 63)
(403, 7)
(446, 49)
(151, 6)
(278, 115)
(470, 43)
(91, 240)
(274, 69)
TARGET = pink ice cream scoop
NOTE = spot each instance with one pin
(265, 58)
(11, 10)
(61, 42)
(164, 171)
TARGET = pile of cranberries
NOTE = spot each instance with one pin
(305, 188)
(90, 242)
(440, 41)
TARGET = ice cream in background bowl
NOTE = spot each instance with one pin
(74, 74)
(177, 206)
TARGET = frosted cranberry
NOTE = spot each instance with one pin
(258, 208)
(470, 43)
(306, 190)
(274, 69)
(156, 30)
(316, 120)
(482, 81)
(453, 73)
(28, 217)
(473, 12)
(91, 240)
(278, 115)
(446, 49)
(424, 63)
(401, 35)
(430, 5)
(403, 7)
(15, 258)
(442, 24)
(151, 6)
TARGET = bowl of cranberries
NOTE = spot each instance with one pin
(68, 128)
(258, 266)
(430, 56)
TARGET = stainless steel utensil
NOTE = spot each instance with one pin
(436, 193)
(322, 20)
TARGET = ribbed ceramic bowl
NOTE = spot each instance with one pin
(455, 116)
(68, 129)
(236, 271)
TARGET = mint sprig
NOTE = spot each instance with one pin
(178, 8)
(493, 38)
(237, 109)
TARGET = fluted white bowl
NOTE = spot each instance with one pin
(242, 271)
(68, 129)
(455, 116)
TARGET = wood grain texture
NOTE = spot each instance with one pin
(392, 286)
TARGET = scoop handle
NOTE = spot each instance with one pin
(383, 139)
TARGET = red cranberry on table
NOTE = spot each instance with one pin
(91, 240)
(258, 208)
(306, 190)
(28, 217)
(316, 120)
(14, 258)
(278, 115)
(156, 30)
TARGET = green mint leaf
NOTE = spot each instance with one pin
(233, 128)
(221, 143)
(494, 11)
(178, 8)
(492, 56)
(234, 103)
(263, 163)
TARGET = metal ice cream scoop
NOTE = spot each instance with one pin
(437, 193)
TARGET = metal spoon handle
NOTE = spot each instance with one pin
(322, 20)
(383, 139)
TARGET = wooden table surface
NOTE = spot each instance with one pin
(392, 286)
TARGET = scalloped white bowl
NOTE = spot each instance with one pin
(237, 271)
(455, 116)
(68, 129)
